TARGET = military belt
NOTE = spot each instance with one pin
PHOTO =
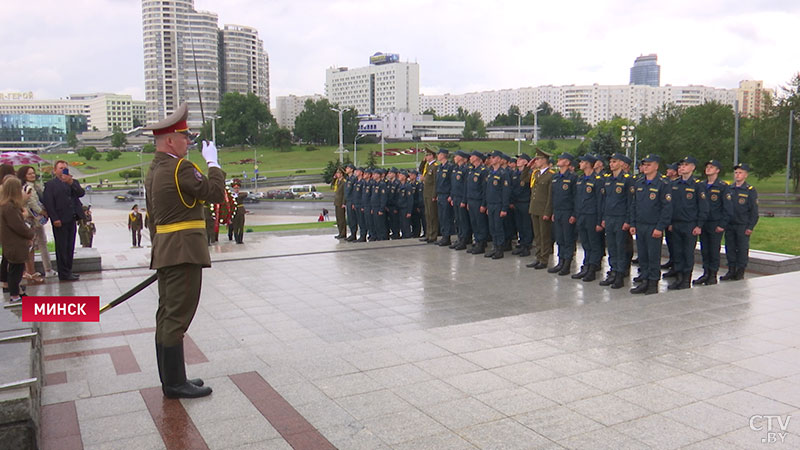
(178, 226)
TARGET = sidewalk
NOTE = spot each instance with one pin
(309, 342)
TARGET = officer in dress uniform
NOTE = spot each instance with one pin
(444, 209)
(689, 214)
(238, 211)
(651, 213)
(429, 169)
(176, 190)
(354, 204)
(135, 225)
(339, 206)
(541, 208)
(349, 197)
(520, 199)
(563, 201)
(366, 207)
(617, 199)
(671, 175)
(476, 201)
(458, 200)
(720, 210)
(498, 195)
(587, 218)
(743, 221)
(405, 203)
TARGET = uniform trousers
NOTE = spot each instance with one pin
(178, 296)
(617, 240)
(478, 221)
(510, 225)
(352, 219)
(649, 252)
(462, 221)
(737, 246)
(565, 234)
(522, 221)
(496, 224)
(341, 219)
(417, 221)
(445, 214)
(590, 239)
(431, 219)
(394, 222)
(710, 243)
(136, 236)
(379, 224)
(64, 237)
(544, 238)
(683, 244)
(670, 245)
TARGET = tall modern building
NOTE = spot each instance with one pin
(753, 98)
(385, 85)
(646, 71)
(185, 60)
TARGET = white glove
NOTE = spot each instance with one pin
(209, 153)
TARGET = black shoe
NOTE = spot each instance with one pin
(739, 275)
(540, 266)
(652, 287)
(516, 250)
(525, 252)
(584, 270)
(352, 238)
(686, 281)
(565, 269)
(72, 277)
(498, 254)
(478, 248)
(671, 273)
(677, 283)
(363, 239)
(639, 278)
(506, 246)
(702, 278)
(532, 264)
(460, 246)
(455, 244)
(173, 371)
(491, 253)
(729, 275)
(591, 274)
(444, 242)
(335, 237)
(712, 278)
(667, 265)
(610, 279)
(619, 282)
(557, 267)
(641, 288)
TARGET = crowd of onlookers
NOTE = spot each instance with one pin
(26, 206)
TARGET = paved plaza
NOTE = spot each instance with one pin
(310, 343)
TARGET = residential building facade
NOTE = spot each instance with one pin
(753, 98)
(288, 107)
(102, 111)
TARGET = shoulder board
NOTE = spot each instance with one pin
(551, 170)
(724, 182)
(749, 187)
(606, 175)
(626, 175)
(727, 182)
(697, 181)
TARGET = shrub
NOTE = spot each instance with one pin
(311, 148)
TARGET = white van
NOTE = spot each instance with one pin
(300, 189)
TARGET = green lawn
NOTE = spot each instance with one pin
(291, 226)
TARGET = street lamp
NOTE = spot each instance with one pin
(355, 148)
(519, 132)
(789, 154)
(628, 139)
(536, 125)
(341, 150)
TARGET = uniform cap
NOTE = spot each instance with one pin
(688, 159)
(394, 170)
(524, 156)
(506, 157)
(743, 166)
(651, 158)
(673, 166)
(173, 123)
(541, 153)
(414, 171)
(478, 154)
(621, 157)
(443, 151)
(496, 153)
(588, 158)
(462, 154)
(715, 163)
(567, 156)
(403, 172)
(350, 166)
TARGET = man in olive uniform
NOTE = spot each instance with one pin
(540, 208)
(135, 226)
(429, 171)
(238, 211)
(339, 204)
(689, 214)
(617, 198)
(743, 221)
(563, 200)
(588, 219)
(176, 190)
(720, 210)
(651, 213)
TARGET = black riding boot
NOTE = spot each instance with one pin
(702, 278)
(729, 275)
(610, 279)
(557, 267)
(174, 383)
(712, 278)
(678, 281)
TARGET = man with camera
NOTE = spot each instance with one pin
(62, 201)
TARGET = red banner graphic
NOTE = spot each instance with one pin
(60, 309)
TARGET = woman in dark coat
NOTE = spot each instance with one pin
(15, 235)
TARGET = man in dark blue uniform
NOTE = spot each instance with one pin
(366, 206)
(617, 198)
(350, 201)
(720, 210)
(377, 206)
(444, 209)
(418, 206)
(743, 221)
(392, 213)
(563, 200)
(404, 203)
(520, 200)
(509, 165)
(651, 213)
(671, 175)
(497, 193)
(587, 218)
(476, 201)
(458, 200)
(689, 214)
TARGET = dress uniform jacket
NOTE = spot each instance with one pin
(541, 200)
(616, 208)
(135, 221)
(174, 206)
(745, 217)
(651, 210)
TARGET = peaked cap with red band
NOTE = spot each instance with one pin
(173, 123)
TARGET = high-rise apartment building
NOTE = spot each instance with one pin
(385, 85)
(288, 107)
(753, 98)
(646, 71)
(185, 60)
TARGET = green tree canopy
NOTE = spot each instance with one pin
(243, 119)
(87, 152)
(118, 138)
(319, 124)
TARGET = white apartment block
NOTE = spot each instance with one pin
(406, 126)
(245, 64)
(753, 98)
(383, 86)
(103, 111)
(594, 102)
(288, 107)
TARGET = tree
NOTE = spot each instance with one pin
(118, 138)
(113, 154)
(281, 138)
(87, 152)
(72, 139)
(506, 120)
(546, 109)
(430, 111)
(149, 148)
(130, 173)
(137, 123)
(331, 167)
(318, 124)
(244, 119)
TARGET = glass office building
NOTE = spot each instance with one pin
(646, 71)
(40, 127)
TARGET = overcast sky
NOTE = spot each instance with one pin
(59, 47)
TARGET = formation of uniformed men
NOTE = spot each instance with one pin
(495, 199)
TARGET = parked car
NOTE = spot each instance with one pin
(272, 194)
(311, 195)
(287, 195)
(124, 198)
(136, 192)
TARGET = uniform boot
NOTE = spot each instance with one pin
(517, 250)
(455, 244)
(729, 275)
(639, 278)
(461, 246)
(525, 252)
(686, 281)
(565, 269)
(478, 248)
(671, 273)
(678, 281)
(444, 241)
(619, 281)
(160, 362)
(641, 288)
(532, 264)
(667, 265)
(498, 254)
(739, 275)
(584, 270)
(702, 278)
(491, 253)
(612, 276)
(591, 274)
(506, 246)
(174, 383)
(557, 267)
(652, 287)
(712, 278)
